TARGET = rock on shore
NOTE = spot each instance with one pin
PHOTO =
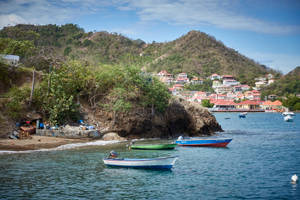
(181, 118)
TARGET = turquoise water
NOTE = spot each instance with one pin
(258, 164)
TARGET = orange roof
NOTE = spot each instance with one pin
(270, 103)
(249, 102)
(223, 102)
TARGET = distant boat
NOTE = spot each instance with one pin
(288, 118)
(288, 113)
(243, 115)
(153, 146)
(160, 163)
(203, 142)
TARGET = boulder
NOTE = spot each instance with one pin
(112, 136)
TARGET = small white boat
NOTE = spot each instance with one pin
(288, 113)
(243, 115)
(288, 118)
(162, 163)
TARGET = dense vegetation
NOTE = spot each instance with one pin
(195, 53)
(288, 84)
(112, 88)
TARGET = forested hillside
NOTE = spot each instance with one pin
(195, 53)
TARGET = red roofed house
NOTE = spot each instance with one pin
(227, 77)
(249, 105)
(221, 104)
(215, 77)
(164, 73)
(182, 78)
(270, 106)
(195, 80)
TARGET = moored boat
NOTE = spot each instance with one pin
(153, 146)
(203, 142)
(160, 163)
(243, 115)
(288, 118)
(288, 113)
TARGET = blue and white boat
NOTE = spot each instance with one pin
(288, 118)
(243, 115)
(162, 163)
(203, 142)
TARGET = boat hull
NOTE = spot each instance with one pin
(154, 147)
(204, 142)
(163, 163)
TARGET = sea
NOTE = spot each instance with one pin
(257, 164)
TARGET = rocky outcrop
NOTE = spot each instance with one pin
(180, 118)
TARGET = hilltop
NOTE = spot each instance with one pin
(195, 53)
(287, 84)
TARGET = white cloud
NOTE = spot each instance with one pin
(220, 13)
(279, 61)
(46, 11)
(11, 19)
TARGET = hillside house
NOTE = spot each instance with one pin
(216, 83)
(223, 105)
(10, 59)
(249, 105)
(164, 73)
(237, 88)
(270, 106)
(245, 87)
(260, 84)
(222, 89)
(167, 80)
(215, 77)
(230, 82)
(227, 77)
(182, 78)
(270, 81)
(196, 81)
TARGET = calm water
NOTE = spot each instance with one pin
(258, 164)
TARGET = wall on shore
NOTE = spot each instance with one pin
(69, 134)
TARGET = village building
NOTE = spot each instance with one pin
(249, 105)
(270, 106)
(222, 89)
(10, 59)
(260, 84)
(270, 81)
(164, 73)
(167, 80)
(182, 78)
(196, 81)
(230, 82)
(215, 77)
(216, 83)
(245, 87)
(237, 88)
(223, 105)
(227, 77)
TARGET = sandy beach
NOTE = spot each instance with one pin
(36, 142)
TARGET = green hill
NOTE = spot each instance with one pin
(195, 53)
(287, 84)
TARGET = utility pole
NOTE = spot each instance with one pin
(32, 87)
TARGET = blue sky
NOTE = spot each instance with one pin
(267, 31)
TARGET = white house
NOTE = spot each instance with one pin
(215, 77)
(10, 59)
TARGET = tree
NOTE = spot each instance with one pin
(206, 103)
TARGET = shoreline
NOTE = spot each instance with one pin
(37, 143)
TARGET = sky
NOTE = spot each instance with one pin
(267, 31)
